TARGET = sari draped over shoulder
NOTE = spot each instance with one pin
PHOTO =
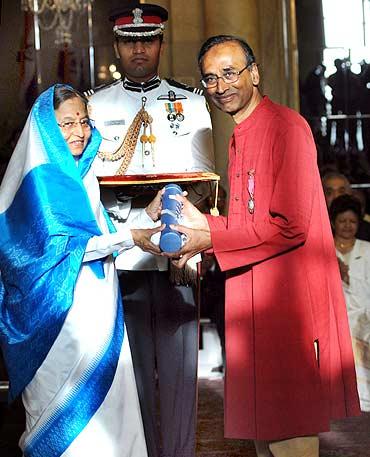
(61, 320)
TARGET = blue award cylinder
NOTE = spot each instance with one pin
(171, 240)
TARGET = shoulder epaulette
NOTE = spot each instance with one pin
(90, 92)
(174, 83)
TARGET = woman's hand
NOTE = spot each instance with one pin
(154, 208)
(142, 239)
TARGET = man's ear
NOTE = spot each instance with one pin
(115, 46)
(255, 74)
(163, 45)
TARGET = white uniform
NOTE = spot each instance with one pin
(161, 318)
(183, 145)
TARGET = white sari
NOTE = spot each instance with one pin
(70, 360)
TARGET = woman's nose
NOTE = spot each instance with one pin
(78, 129)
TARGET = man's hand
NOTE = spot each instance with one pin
(154, 208)
(192, 217)
(196, 241)
(142, 238)
(196, 229)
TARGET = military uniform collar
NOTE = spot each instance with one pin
(146, 86)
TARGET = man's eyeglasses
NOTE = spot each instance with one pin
(229, 77)
(69, 125)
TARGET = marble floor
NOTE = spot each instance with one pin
(348, 438)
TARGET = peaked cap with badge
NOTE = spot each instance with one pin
(138, 20)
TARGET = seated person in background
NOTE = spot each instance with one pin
(61, 325)
(354, 256)
(335, 184)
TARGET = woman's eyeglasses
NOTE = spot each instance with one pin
(71, 125)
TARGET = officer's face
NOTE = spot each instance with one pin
(239, 98)
(140, 58)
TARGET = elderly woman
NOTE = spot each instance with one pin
(354, 260)
(61, 323)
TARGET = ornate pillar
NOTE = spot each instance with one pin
(231, 17)
(269, 27)
(279, 53)
(187, 36)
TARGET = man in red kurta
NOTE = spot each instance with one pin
(289, 362)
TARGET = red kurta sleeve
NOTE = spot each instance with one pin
(285, 223)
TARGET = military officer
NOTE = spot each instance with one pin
(153, 125)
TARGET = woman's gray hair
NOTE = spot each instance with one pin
(63, 93)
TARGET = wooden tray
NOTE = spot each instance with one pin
(129, 180)
(139, 188)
